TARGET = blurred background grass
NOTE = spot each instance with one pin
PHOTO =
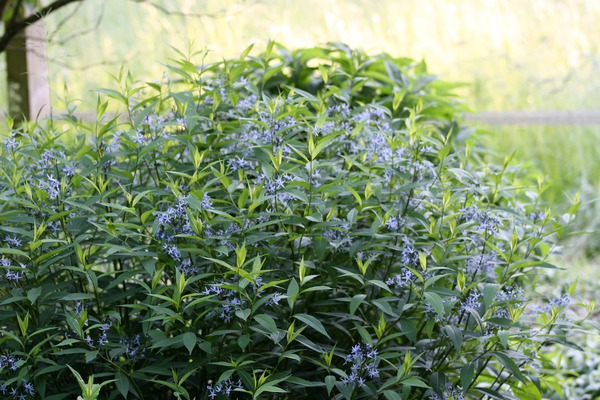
(513, 54)
(516, 54)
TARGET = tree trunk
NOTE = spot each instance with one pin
(27, 74)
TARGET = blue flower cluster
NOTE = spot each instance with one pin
(482, 264)
(508, 298)
(339, 236)
(409, 255)
(247, 103)
(273, 184)
(11, 144)
(558, 303)
(395, 223)
(473, 301)
(12, 241)
(174, 221)
(451, 392)
(134, 348)
(11, 363)
(239, 163)
(485, 220)
(375, 116)
(363, 362)
(230, 301)
(10, 273)
(27, 390)
(401, 280)
(51, 185)
(225, 388)
(269, 131)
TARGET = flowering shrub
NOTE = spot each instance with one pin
(299, 224)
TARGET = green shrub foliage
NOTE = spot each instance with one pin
(301, 224)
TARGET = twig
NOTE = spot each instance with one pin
(220, 14)
(13, 27)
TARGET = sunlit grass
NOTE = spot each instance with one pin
(568, 160)
(564, 153)
(517, 54)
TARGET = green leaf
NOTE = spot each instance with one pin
(15, 252)
(292, 292)
(494, 394)
(389, 395)
(313, 323)
(267, 388)
(76, 296)
(384, 305)
(455, 336)
(189, 341)
(23, 323)
(246, 52)
(122, 382)
(444, 151)
(380, 284)
(91, 356)
(415, 382)
(489, 294)
(356, 301)
(528, 392)
(319, 288)
(34, 293)
(510, 364)
(243, 314)
(466, 375)
(329, 383)
(267, 322)
(503, 337)
(435, 301)
(243, 341)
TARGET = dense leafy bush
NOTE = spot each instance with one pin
(307, 223)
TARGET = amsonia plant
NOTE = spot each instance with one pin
(300, 224)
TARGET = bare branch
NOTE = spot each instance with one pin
(3, 4)
(83, 67)
(83, 32)
(50, 37)
(63, 21)
(16, 9)
(220, 14)
(14, 27)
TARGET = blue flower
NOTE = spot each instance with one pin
(11, 144)
(28, 386)
(409, 255)
(238, 163)
(472, 301)
(484, 263)
(139, 138)
(206, 201)
(486, 221)
(403, 279)
(394, 223)
(225, 387)
(47, 156)
(12, 241)
(275, 299)
(364, 364)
